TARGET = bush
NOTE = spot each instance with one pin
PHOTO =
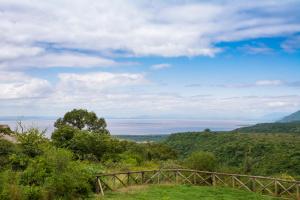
(6, 148)
(58, 175)
(203, 161)
(32, 142)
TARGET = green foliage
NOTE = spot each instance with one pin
(6, 149)
(53, 175)
(32, 142)
(142, 138)
(83, 120)
(62, 136)
(203, 161)
(86, 143)
(261, 154)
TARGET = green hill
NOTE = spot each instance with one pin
(291, 118)
(277, 127)
(263, 154)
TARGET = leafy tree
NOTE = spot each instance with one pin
(83, 120)
(32, 142)
(90, 145)
(203, 161)
(207, 130)
(62, 136)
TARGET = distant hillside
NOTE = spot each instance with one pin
(277, 127)
(142, 138)
(292, 118)
(264, 154)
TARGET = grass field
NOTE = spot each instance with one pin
(180, 192)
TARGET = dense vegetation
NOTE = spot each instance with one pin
(264, 154)
(63, 166)
(176, 192)
(291, 118)
(278, 127)
(143, 138)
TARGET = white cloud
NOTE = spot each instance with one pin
(95, 83)
(291, 44)
(269, 83)
(58, 60)
(256, 49)
(160, 66)
(13, 51)
(16, 85)
(141, 28)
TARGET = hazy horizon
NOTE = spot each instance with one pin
(142, 126)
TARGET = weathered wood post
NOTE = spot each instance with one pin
(143, 176)
(100, 186)
(253, 185)
(214, 183)
(97, 185)
(233, 181)
(276, 188)
(298, 191)
(158, 177)
(128, 178)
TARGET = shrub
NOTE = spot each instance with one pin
(6, 148)
(203, 161)
(32, 142)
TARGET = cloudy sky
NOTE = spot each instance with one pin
(161, 59)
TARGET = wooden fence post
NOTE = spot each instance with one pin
(128, 179)
(100, 186)
(253, 185)
(158, 177)
(298, 191)
(233, 181)
(97, 185)
(143, 174)
(213, 179)
(276, 188)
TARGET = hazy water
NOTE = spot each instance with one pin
(144, 126)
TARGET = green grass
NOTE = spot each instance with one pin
(181, 192)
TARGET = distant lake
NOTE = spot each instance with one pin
(144, 126)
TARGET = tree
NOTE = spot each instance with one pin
(83, 120)
(207, 130)
(203, 161)
(62, 136)
(32, 142)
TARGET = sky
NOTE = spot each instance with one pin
(211, 60)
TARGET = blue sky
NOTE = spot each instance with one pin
(232, 60)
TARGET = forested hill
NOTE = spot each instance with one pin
(264, 154)
(277, 127)
(295, 117)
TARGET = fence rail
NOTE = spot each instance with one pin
(285, 189)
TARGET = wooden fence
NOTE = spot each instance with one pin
(280, 188)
